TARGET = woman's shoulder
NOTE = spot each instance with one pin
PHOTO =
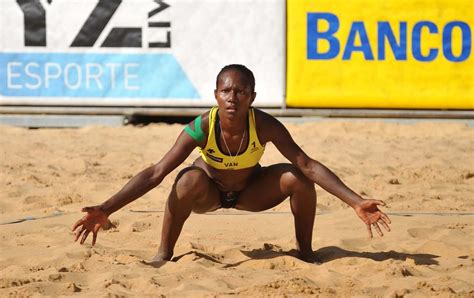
(263, 118)
(205, 120)
(266, 125)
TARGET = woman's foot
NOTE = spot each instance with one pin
(309, 257)
(159, 259)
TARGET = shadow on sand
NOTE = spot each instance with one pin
(331, 253)
(325, 254)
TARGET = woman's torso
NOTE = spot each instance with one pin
(230, 173)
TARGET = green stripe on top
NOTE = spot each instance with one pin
(197, 134)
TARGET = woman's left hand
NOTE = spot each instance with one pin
(370, 214)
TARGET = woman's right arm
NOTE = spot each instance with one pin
(152, 176)
(143, 182)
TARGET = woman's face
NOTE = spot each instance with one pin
(234, 94)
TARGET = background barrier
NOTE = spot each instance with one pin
(395, 54)
(137, 52)
(380, 54)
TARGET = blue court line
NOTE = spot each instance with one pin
(401, 213)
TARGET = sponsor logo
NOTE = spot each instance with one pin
(416, 35)
(78, 72)
(214, 158)
(254, 148)
(91, 75)
(35, 30)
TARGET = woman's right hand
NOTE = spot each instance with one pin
(91, 222)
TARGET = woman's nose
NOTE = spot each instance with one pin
(233, 95)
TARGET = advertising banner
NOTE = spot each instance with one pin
(137, 52)
(380, 54)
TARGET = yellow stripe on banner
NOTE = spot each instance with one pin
(380, 54)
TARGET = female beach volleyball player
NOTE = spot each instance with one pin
(231, 139)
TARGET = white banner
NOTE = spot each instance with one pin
(137, 52)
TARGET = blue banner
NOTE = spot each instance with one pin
(94, 75)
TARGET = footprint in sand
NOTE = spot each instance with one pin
(69, 199)
(141, 226)
(72, 287)
(457, 226)
(35, 180)
(55, 277)
(295, 286)
(31, 199)
(402, 271)
(75, 166)
(425, 233)
(79, 254)
(35, 202)
(6, 283)
(35, 268)
(125, 259)
(114, 283)
(78, 267)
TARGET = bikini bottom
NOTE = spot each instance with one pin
(229, 198)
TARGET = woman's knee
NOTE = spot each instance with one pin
(295, 181)
(192, 182)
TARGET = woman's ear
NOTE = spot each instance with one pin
(254, 94)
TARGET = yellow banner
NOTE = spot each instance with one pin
(380, 54)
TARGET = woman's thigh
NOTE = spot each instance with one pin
(194, 182)
(270, 186)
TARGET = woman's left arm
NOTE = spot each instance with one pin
(367, 210)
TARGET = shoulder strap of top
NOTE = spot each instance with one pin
(212, 124)
(212, 118)
(253, 126)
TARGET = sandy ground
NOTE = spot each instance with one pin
(423, 171)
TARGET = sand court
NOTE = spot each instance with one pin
(424, 171)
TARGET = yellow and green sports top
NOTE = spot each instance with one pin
(213, 156)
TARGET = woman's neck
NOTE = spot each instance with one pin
(233, 125)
